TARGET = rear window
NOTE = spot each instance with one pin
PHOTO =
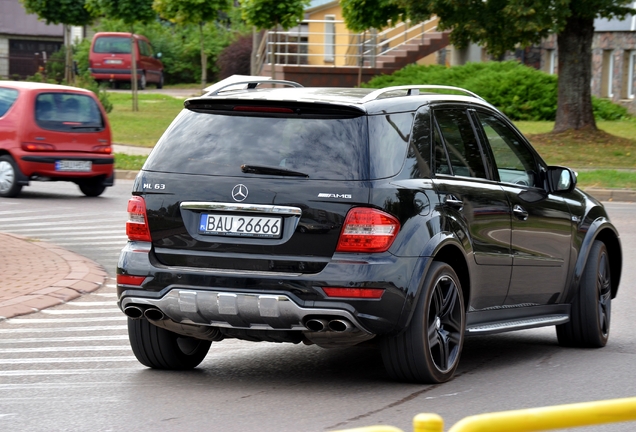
(7, 98)
(67, 112)
(217, 144)
(112, 45)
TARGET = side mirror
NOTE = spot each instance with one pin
(561, 179)
(158, 55)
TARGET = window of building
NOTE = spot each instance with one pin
(330, 38)
(607, 74)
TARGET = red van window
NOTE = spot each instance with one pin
(112, 45)
(68, 111)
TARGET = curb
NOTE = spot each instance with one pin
(622, 195)
(56, 276)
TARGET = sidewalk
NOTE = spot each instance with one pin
(37, 275)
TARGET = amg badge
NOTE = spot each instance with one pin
(330, 195)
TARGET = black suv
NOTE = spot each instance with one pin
(412, 216)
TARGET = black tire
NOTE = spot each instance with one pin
(160, 83)
(590, 315)
(92, 188)
(9, 186)
(428, 351)
(141, 84)
(159, 348)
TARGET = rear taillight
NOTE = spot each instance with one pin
(130, 280)
(363, 293)
(36, 147)
(137, 225)
(367, 230)
(106, 149)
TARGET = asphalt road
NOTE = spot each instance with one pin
(71, 368)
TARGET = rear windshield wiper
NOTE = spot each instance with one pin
(262, 169)
(95, 126)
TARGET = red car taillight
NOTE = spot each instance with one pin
(367, 230)
(106, 149)
(137, 225)
(35, 147)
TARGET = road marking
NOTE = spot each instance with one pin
(79, 312)
(66, 360)
(63, 320)
(64, 339)
(66, 349)
(32, 372)
(89, 303)
(61, 329)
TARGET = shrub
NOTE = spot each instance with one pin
(235, 58)
(520, 92)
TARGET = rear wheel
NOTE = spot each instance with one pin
(159, 348)
(428, 350)
(92, 188)
(589, 323)
(9, 186)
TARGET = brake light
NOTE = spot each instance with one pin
(367, 230)
(106, 149)
(35, 147)
(366, 293)
(264, 109)
(137, 224)
(130, 280)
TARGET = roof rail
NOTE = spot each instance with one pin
(414, 89)
(250, 84)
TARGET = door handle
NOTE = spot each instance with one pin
(520, 212)
(453, 201)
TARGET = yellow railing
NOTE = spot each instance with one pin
(527, 420)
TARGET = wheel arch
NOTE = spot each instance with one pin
(444, 247)
(601, 229)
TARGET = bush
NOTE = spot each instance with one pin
(235, 58)
(520, 92)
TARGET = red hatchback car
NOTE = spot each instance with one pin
(110, 59)
(51, 133)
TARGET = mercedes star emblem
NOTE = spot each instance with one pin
(239, 193)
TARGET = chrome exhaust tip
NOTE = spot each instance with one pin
(316, 325)
(133, 312)
(154, 314)
(340, 326)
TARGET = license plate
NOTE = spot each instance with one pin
(241, 226)
(73, 165)
(112, 61)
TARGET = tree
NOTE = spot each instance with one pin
(130, 12)
(68, 13)
(267, 14)
(362, 15)
(192, 12)
(501, 25)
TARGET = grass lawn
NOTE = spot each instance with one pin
(144, 127)
(603, 159)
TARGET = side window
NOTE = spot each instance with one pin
(389, 136)
(441, 158)
(515, 162)
(7, 98)
(458, 136)
(418, 158)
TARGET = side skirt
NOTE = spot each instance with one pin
(507, 319)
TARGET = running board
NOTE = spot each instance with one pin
(516, 324)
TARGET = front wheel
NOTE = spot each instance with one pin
(9, 186)
(142, 82)
(160, 83)
(428, 351)
(590, 315)
(159, 348)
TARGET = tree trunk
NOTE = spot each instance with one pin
(133, 69)
(574, 105)
(204, 58)
(68, 60)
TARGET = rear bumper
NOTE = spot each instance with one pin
(43, 165)
(267, 300)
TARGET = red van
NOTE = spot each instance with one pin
(110, 59)
(53, 133)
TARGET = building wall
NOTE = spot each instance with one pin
(613, 65)
(317, 39)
